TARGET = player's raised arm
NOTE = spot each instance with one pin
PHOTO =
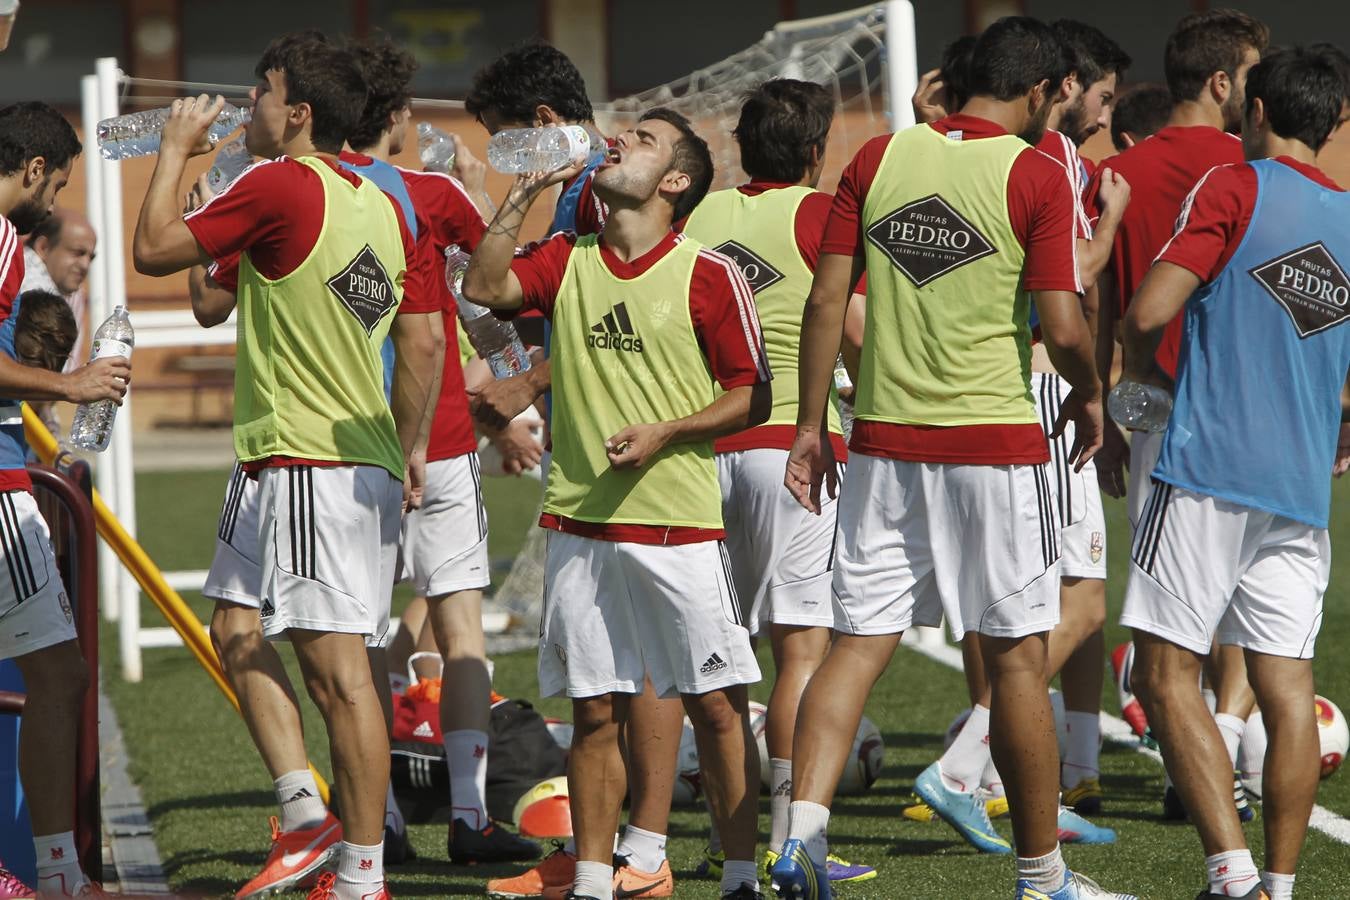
(163, 244)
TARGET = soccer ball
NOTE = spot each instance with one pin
(1252, 753)
(561, 732)
(1333, 735)
(865, 759)
(954, 729)
(545, 810)
(759, 722)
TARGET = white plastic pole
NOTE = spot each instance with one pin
(902, 61)
(97, 309)
(116, 468)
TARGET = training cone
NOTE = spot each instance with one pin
(545, 810)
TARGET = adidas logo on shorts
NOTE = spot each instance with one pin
(423, 731)
(615, 332)
(714, 663)
(267, 608)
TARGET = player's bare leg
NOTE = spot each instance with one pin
(1166, 680)
(652, 741)
(267, 700)
(404, 643)
(337, 676)
(730, 769)
(1077, 653)
(972, 663)
(798, 652)
(1022, 739)
(1284, 690)
(597, 782)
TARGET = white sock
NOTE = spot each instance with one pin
(1232, 874)
(736, 872)
(466, 755)
(644, 850)
(393, 816)
(1084, 744)
(58, 864)
(964, 761)
(780, 797)
(1044, 873)
(807, 823)
(594, 880)
(301, 805)
(1279, 887)
(359, 869)
(991, 781)
(1232, 728)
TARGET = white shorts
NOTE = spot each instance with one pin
(1203, 568)
(979, 544)
(616, 612)
(329, 543)
(445, 541)
(1145, 448)
(234, 573)
(35, 610)
(782, 557)
(1083, 522)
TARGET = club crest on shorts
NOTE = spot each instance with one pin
(927, 239)
(757, 271)
(1310, 285)
(62, 599)
(1096, 546)
(365, 289)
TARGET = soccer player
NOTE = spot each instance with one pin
(946, 507)
(1234, 543)
(530, 86)
(445, 538)
(646, 324)
(780, 554)
(323, 259)
(37, 149)
(1140, 112)
(1206, 62)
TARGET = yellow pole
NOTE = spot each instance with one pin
(179, 615)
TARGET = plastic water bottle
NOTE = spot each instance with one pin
(518, 150)
(496, 341)
(1139, 407)
(436, 148)
(93, 423)
(231, 161)
(138, 134)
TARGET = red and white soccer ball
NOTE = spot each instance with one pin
(1333, 736)
(865, 759)
(688, 777)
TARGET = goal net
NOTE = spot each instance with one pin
(853, 53)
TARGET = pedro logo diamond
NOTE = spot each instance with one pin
(927, 239)
(757, 271)
(1310, 285)
(365, 289)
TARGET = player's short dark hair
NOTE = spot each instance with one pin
(782, 122)
(691, 156)
(1142, 111)
(1014, 55)
(32, 129)
(388, 70)
(323, 75)
(1207, 42)
(524, 78)
(1302, 91)
(49, 228)
(1094, 55)
(1339, 57)
(955, 70)
(44, 330)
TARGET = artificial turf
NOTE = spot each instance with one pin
(209, 797)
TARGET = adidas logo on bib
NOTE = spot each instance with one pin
(927, 239)
(615, 332)
(714, 663)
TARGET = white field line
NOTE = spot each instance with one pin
(1117, 731)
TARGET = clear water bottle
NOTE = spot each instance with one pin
(436, 148)
(231, 161)
(518, 150)
(1139, 407)
(137, 134)
(496, 341)
(93, 423)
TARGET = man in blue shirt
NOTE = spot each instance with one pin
(1233, 541)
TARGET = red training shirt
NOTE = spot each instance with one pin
(11, 277)
(1161, 171)
(1041, 209)
(722, 310)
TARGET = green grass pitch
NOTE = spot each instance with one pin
(209, 797)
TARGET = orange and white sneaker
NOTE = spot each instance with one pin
(557, 870)
(629, 882)
(326, 889)
(294, 856)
